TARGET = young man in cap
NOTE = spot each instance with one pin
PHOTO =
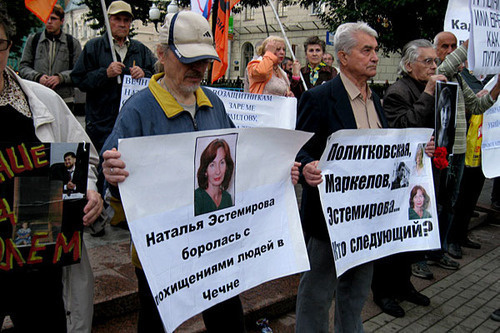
(173, 103)
(49, 57)
(95, 71)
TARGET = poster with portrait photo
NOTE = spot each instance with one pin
(446, 100)
(215, 158)
(38, 227)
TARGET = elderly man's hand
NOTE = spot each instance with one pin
(93, 207)
(312, 174)
(114, 69)
(430, 147)
(296, 68)
(113, 167)
(430, 87)
(295, 173)
(136, 72)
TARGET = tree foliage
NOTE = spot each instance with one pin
(396, 21)
(24, 20)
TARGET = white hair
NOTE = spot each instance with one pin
(345, 40)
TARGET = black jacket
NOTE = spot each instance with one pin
(103, 93)
(323, 110)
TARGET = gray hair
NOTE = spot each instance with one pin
(411, 51)
(439, 34)
(344, 39)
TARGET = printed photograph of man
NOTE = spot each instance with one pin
(445, 115)
(70, 172)
(419, 203)
(401, 174)
(214, 175)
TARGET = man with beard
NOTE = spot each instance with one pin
(173, 103)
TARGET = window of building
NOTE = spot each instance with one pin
(75, 31)
(246, 56)
(249, 13)
(317, 9)
(281, 9)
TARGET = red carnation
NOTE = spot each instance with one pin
(440, 163)
(440, 152)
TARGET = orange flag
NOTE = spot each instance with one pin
(41, 8)
(221, 37)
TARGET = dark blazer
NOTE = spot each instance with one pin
(58, 171)
(407, 105)
(323, 110)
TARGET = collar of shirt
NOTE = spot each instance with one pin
(352, 89)
(168, 102)
(13, 95)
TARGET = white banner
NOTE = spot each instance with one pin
(131, 86)
(377, 194)
(490, 147)
(484, 46)
(457, 19)
(254, 110)
(195, 257)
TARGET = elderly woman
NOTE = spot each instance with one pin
(30, 112)
(316, 72)
(265, 75)
(214, 175)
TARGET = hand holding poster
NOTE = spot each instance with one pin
(377, 194)
(213, 211)
(484, 47)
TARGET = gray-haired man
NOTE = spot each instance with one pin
(346, 102)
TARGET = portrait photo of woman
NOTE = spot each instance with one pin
(419, 160)
(419, 202)
(214, 176)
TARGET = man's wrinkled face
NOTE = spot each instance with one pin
(186, 77)
(328, 59)
(425, 65)
(120, 25)
(361, 62)
(54, 24)
(447, 43)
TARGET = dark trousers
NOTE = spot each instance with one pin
(33, 300)
(470, 190)
(391, 275)
(226, 316)
(495, 193)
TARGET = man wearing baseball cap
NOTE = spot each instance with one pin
(173, 103)
(95, 71)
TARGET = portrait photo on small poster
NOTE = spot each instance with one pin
(445, 117)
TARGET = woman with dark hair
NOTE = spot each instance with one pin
(419, 202)
(214, 175)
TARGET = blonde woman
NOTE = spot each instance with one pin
(265, 74)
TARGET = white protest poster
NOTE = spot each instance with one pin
(457, 19)
(131, 86)
(484, 45)
(195, 256)
(490, 147)
(248, 110)
(377, 194)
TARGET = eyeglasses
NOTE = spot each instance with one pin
(429, 61)
(4, 44)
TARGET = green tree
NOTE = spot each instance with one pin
(396, 21)
(25, 22)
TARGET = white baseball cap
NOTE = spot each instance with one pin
(189, 36)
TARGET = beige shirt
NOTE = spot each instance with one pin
(364, 112)
(121, 50)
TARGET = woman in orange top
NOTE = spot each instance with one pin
(264, 73)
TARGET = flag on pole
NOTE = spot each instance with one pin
(221, 36)
(41, 8)
(203, 7)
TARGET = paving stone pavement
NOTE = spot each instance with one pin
(461, 302)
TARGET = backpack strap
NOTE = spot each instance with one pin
(34, 44)
(69, 40)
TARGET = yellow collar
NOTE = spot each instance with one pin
(168, 102)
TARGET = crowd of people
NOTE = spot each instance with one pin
(36, 106)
